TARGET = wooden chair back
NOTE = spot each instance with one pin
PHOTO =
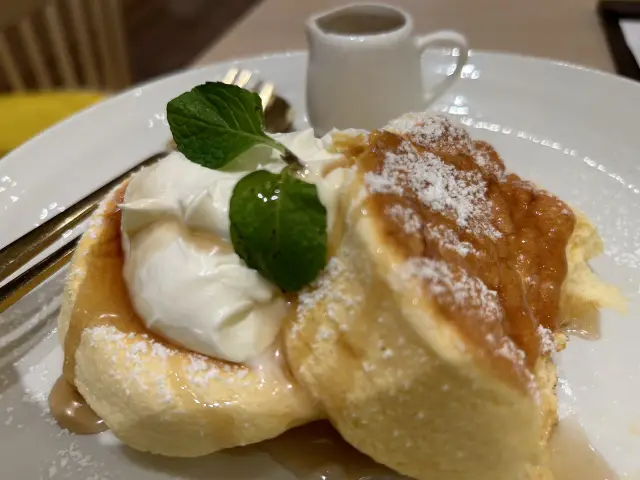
(46, 44)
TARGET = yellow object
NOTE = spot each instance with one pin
(24, 115)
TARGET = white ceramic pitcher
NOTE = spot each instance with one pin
(364, 66)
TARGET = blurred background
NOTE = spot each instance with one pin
(59, 56)
(157, 36)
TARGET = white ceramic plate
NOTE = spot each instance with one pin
(573, 130)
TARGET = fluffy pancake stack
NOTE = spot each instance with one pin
(154, 396)
(426, 341)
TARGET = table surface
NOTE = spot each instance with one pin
(567, 30)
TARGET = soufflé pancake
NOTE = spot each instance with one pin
(427, 338)
(154, 395)
(424, 335)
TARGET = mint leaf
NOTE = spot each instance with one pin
(278, 227)
(215, 122)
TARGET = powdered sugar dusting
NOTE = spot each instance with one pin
(97, 219)
(117, 343)
(381, 184)
(76, 273)
(466, 291)
(482, 159)
(406, 217)
(138, 347)
(71, 462)
(325, 288)
(509, 350)
(429, 130)
(460, 195)
(547, 343)
(448, 239)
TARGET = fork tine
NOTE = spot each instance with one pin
(243, 78)
(265, 90)
(230, 76)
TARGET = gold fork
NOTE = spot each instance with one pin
(278, 114)
(13, 257)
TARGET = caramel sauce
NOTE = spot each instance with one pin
(71, 410)
(586, 325)
(99, 301)
(526, 264)
(102, 299)
(535, 232)
(317, 451)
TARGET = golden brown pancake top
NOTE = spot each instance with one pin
(488, 246)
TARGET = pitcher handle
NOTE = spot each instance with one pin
(450, 37)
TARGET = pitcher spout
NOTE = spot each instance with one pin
(357, 21)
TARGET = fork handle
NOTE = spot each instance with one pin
(20, 286)
(20, 252)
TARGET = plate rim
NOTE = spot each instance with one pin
(8, 159)
(486, 60)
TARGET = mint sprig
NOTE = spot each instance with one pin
(278, 227)
(214, 123)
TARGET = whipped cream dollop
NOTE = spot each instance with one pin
(185, 280)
